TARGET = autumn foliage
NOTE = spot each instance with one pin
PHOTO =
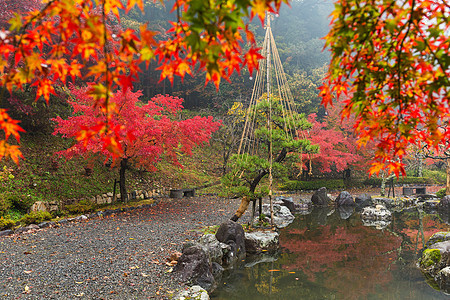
(337, 147)
(391, 58)
(67, 41)
(146, 131)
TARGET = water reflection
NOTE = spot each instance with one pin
(330, 254)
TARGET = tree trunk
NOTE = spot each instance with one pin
(420, 166)
(447, 187)
(123, 187)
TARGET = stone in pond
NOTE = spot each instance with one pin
(194, 266)
(320, 197)
(282, 216)
(232, 234)
(345, 199)
(259, 241)
(195, 292)
(363, 200)
(445, 202)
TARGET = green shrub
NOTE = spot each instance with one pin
(36, 217)
(296, 185)
(5, 203)
(441, 193)
(81, 207)
(21, 202)
(6, 223)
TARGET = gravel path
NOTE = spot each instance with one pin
(117, 257)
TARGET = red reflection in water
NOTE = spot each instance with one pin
(342, 257)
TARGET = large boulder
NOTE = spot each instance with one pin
(212, 247)
(440, 236)
(194, 266)
(259, 241)
(443, 279)
(345, 199)
(435, 261)
(387, 202)
(232, 234)
(377, 216)
(39, 206)
(444, 203)
(320, 197)
(435, 257)
(363, 200)
(282, 216)
(195, 292)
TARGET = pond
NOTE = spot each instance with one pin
(330, 254)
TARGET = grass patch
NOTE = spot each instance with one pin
(36, 217)
(209, 229)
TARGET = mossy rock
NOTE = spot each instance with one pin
(430, 257)
(438, 237)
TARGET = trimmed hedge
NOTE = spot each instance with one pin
(376, 182)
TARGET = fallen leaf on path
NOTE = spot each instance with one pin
(26, 290)
(134, 268)
(27, 272)
(144, 275)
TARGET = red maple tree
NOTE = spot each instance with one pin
(146, 131)
(337, 142)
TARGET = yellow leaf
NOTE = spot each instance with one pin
(132, 3)
(113, 6)
(183, 68)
